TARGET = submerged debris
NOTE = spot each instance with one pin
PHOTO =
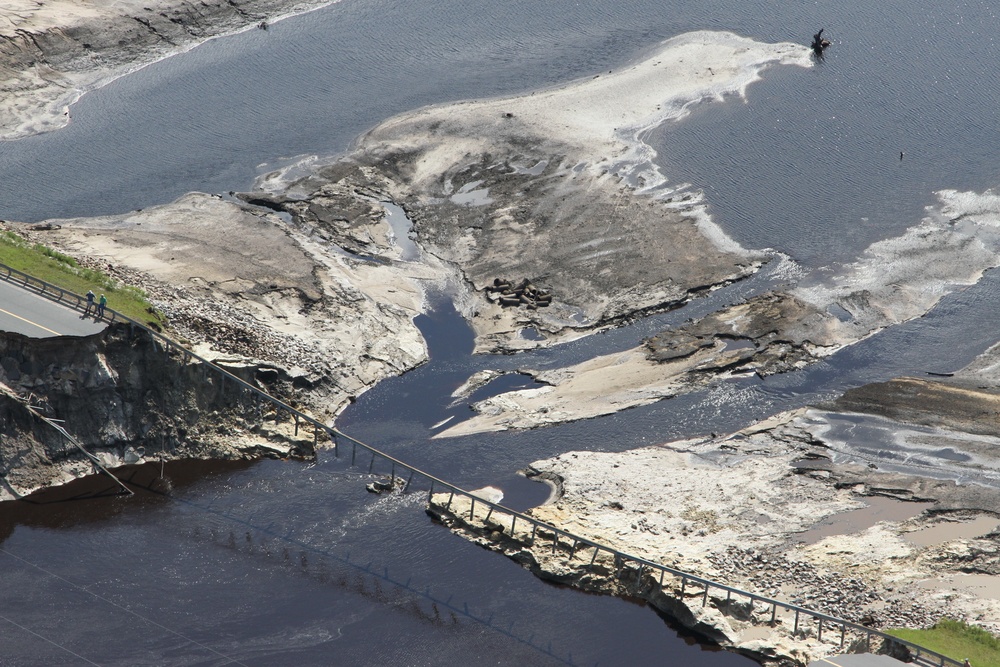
(386, 485)
(819, 43)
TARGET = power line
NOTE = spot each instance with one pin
(121, 607)
(42, 637)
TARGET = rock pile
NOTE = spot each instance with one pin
(507, 294)
(801, 583)
(203, 318)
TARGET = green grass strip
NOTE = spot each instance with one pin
(63, 271)
(956, 640)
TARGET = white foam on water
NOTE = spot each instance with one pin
(902, 278)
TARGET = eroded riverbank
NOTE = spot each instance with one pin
(784, 510)
(51, 53)
(515, 189)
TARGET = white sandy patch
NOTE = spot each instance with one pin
(901, 278)
(671, 505)
(687, 69)
(609, 113)
(38, 99)
(489, 493)
(33, 16)
(599, 386)
(876, 551)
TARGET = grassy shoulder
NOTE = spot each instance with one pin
(64, 271)
(956, 640)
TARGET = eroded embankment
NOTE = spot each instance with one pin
(290, 297)
(893, 281)
(120, 396)
(52, 52)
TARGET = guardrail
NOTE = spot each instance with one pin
(577, 543)
(48, 290)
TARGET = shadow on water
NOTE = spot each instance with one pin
(95, 498)
(366, 565)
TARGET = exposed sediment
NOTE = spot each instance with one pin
(743, 510)
(894, 281)
(312, 325)
(285, 296)
(784, 509)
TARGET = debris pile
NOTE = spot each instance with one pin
(386, 485)
(507, 294)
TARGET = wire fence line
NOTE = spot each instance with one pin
(645, 574)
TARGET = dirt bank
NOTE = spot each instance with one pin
(286, 296)
(124, 400)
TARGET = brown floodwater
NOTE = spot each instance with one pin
(877, 508)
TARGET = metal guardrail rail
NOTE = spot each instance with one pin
(50, 291)
(577, 543)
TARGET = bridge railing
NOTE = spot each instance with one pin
(656, 572)
(576, 543)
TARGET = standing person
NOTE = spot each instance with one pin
(90, 302)
(100, 306)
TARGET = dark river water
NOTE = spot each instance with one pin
(280, 563)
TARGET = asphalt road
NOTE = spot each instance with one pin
(25, 312)
(857, 660)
